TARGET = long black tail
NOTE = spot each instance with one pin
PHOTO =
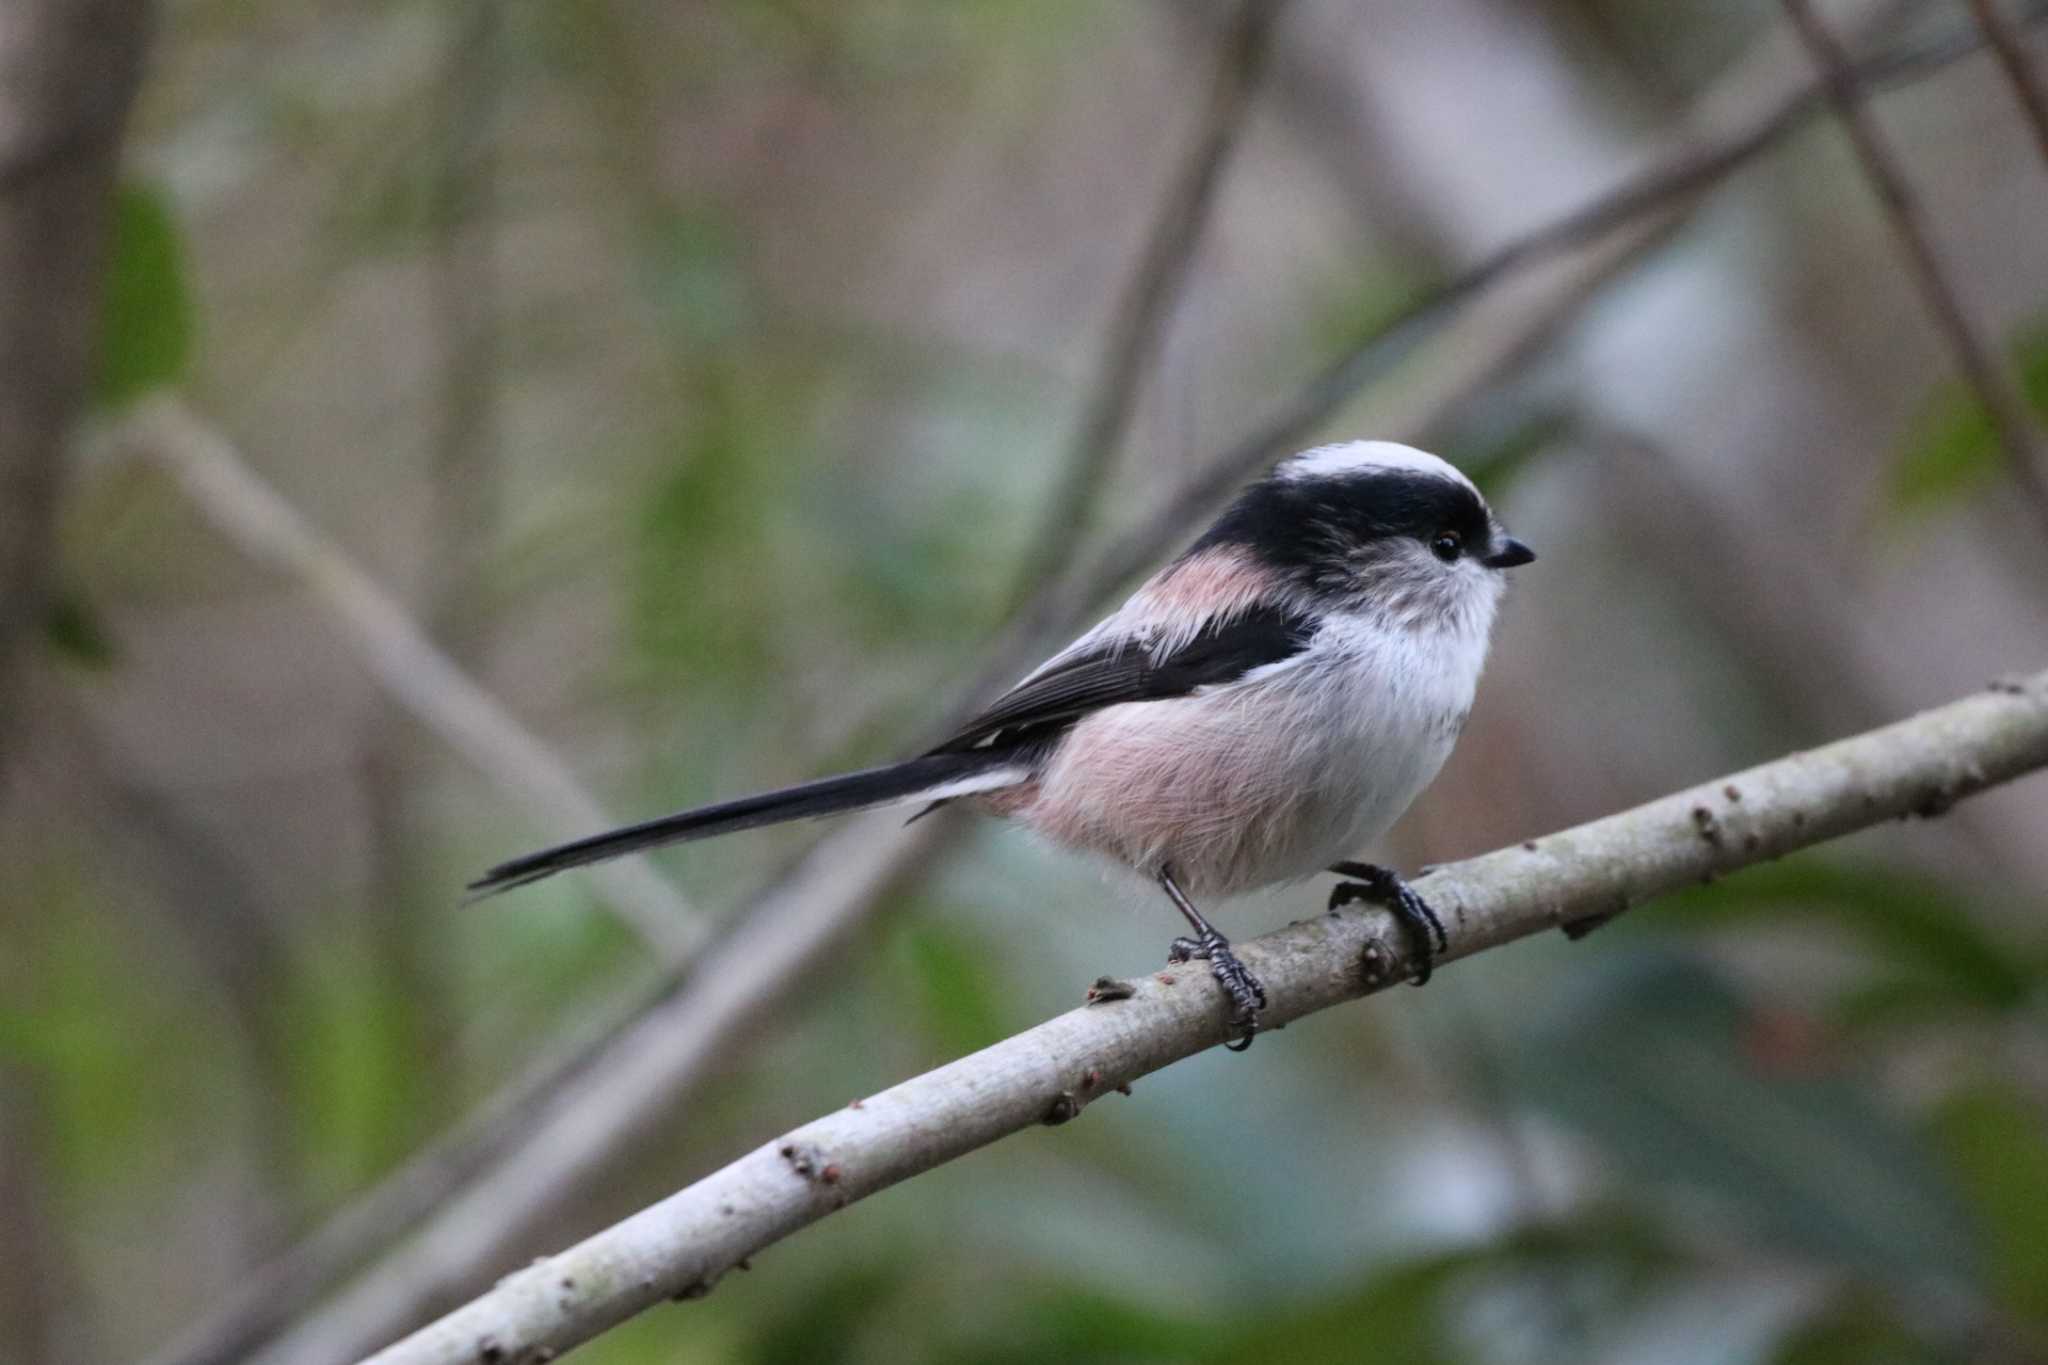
(932, 777)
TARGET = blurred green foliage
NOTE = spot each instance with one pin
(115, 1074)
(1997, 1144)
(1689, 1085)
(699, 609)
(362, 1092)
(146, 312)
(76, 632)
(1921, 930)
(1860, 1330)
(953, 973)
(1953, 450)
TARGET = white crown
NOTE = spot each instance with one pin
(1348, 457)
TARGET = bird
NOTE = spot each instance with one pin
(1267, 703)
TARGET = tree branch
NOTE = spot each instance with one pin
(401, 657)
(68, 69)
(1976, 357)
(267, 1297)
(634, 1081)
(678, 1248)
(1139, 327)
(2019, 71)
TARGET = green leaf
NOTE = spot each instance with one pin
(699, 609)
(1662, 1062)
(364, 1088)
(146, 323)
(1363, 302)
(955, 986)
(1399, 1312)
(1081, 1324)
(1952, 448)
(1495, 443)
(694, 277)
(118, 1072)
(1857, 1331)
(826, 1321)
(1587, 1268)
(73, 628)
(1407, 1312)
(1997, 1142)
(1916, 925)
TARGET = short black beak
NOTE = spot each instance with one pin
(1511, 553)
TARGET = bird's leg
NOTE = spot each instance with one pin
(1383, 887)
(1247, 996)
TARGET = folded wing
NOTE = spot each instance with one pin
(1110, 673)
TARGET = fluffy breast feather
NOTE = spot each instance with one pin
(1269, 778)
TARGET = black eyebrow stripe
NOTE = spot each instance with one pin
(1297, 523)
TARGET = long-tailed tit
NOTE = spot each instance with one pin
(1266, 703)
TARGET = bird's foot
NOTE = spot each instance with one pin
(1247, 996)
(1383, 887)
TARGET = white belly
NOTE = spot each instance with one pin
(1262, 781)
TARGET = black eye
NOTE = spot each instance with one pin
(1447, 546)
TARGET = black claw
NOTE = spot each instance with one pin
(1247, 995)
(1383, 887)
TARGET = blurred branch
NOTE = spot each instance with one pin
(1655, 197)
(68, 70)
(464, 303)
(648, 1073)
(269, 1296)
(401, 657)
(28, 1297)
(1976, 357)
(2019, 70)
(1575, 879)
(238, 948)
(462, 511)
(1139, 328)
(640, 1077)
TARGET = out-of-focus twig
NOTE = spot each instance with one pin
(1661, 192)
(646, 1075)
(401, 657)
(1976, 357)
(1139, 327)
(237, 945)
(464, 303)
(68, 70)
(28, 1318)
(2026, 83)
(639, 1078)
(681, 1247)
(462, 511)
(267, 1298)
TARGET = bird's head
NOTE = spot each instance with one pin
(1379, 529)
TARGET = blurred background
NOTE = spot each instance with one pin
(509, 415)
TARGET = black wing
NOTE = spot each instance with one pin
(1220, 652)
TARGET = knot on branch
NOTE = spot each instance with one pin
(492, 1352)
